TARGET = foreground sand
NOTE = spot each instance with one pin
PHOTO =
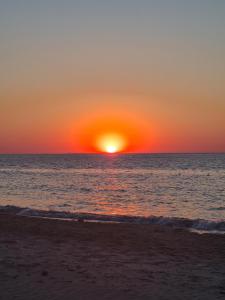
(52, 259)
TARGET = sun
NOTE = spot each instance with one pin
(111, 149)
(111, 143)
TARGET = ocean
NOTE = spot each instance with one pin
(181, 190)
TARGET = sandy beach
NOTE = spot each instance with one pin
(55, 259)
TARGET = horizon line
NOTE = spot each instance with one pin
(103, 153)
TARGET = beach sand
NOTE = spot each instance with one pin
(55, 259)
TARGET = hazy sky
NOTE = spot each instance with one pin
(64, 63)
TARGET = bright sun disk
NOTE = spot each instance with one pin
(111, 149)
(111, 143)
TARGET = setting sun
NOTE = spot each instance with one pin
(112, 131)
(111, 143)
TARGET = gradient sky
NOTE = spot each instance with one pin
(159, 65)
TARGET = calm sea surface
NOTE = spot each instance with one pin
(190, 186)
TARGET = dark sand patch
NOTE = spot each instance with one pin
(52, 259)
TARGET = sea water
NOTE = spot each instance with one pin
(180, 189)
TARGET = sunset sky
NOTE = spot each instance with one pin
(150, 71)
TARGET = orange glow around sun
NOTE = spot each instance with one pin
(111, 143)
(111, 133)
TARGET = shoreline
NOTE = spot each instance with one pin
(200, 226)
(52, 258)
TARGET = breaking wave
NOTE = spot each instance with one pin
(174, 222)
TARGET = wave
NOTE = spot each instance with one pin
(175, 222)
(217, 208)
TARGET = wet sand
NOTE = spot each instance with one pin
(55, 259)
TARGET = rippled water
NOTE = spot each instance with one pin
(170, 185)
